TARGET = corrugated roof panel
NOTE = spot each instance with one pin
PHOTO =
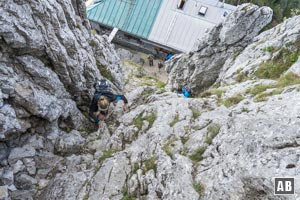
(133, 16)
(149, 24)
(146, 17)
(139, 16)
(117, 14)
(181, 28)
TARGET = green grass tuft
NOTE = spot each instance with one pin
(197, 155)
(135, 167)
(167, 147)
(270, 49)
(105, 72)
(210, 92)
(106, 154)
(184, 139)
(245, 110)
(196, 113)
(152, 81)
(273, 69)
(241, 77)
(263, 96)
(127, 197)
(258, 89)
(199, 188)
(284, 81)
(212, 132)
(138, 121)
(151, 118)
(236, 54)
(233, 100)
(175, 120)
(149, 165)
(287, 80)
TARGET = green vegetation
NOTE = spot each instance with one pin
(295, 12)
(270, 49)
(196, 113)
(284, 81)
(139, 67)
(236, 54)
(197, 155)
(175, 120)
(149, 165)
(151, 118)
(281, 8)
(135, 167)
(184, 139)
(147, 92)
(127, 197)
(138, 121)
(241, 76)
(258, 89)
(151, 81)
(106, 154)
(210, 92)
(105, 72)
(274, 68)
(263, 96)
(288, 79)
(233, 100)
(199, 188)
(216, 85)
(212, 131)
(93, 43)
(245, 110)
(167, 147)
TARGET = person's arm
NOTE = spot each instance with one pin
(115, 97)
(121, 97)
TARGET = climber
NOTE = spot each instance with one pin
(185, 90)
(150, 59)
(159, 65)
(101, 100)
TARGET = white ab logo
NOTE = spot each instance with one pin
(287, 188)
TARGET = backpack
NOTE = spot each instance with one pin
(186, 91)
(187, 88)
(102, 86)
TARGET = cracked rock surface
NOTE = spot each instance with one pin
(228, 143)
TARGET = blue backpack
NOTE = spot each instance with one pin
(102, 86)
(186, 91)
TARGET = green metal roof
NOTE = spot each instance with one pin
(132, 16)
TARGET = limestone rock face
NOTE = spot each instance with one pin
(49, 62)
(227, 144)
(201, 68)
(269, 45)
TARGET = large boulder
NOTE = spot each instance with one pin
(201, 68)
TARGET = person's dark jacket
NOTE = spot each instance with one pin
(110, 97)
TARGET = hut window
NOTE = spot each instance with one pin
(202, 10)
